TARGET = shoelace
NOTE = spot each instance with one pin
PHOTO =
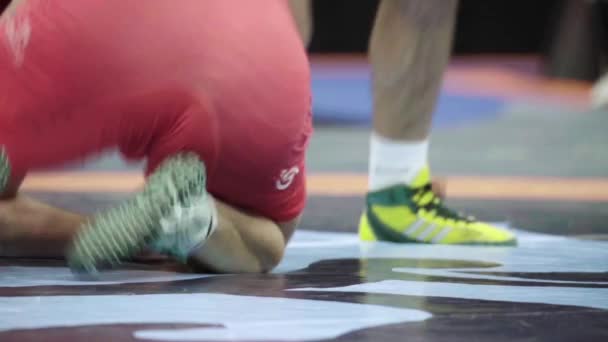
(428, 201)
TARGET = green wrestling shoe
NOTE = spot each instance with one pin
(172, 215)
(413, 213)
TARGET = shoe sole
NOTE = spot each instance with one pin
(389, 235)
(123, 231)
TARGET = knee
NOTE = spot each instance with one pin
(271, 258)
(205, 260)
(267, 252)
(276, 252)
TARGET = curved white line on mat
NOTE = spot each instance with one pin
(242, 318)
(22, 276)
(573, 296)
(469, 273)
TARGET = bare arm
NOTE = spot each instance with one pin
(29, 228)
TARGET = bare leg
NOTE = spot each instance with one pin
(302, 13)
(409, 49)
(388, 45)
(12, 5)
(241, 242)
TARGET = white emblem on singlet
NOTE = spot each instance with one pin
(286, 178)
(18, 32)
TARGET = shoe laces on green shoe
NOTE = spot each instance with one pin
(428, 203)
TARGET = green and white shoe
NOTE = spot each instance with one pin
(5, 169)
(172, 215)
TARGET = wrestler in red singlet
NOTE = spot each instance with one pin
(80, 77)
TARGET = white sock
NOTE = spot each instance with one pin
(393, 162)
(599, 93)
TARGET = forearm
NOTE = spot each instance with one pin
(29, 228)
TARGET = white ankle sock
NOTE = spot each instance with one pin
(394, 162)
(599, 93)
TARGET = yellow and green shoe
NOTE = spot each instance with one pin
(413, 213)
